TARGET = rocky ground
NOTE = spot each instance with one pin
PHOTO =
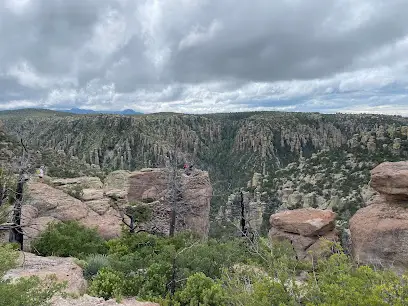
(65, 270)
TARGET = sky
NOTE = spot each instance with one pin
(204, 56)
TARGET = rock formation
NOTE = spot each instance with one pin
(391, 179)
(306, 229)
(192, 205)
(63, 268)
(379, 232)
(247, 204)
(102, 205)
(45, 204)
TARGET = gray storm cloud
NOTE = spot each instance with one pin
(195, 56)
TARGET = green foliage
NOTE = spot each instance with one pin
(107, 284)
(140, 212)
(155, 280)
(8, 258)
(29, 291)
(201, 290)
(94, 263)
(338, 282)
(69, 239)
(25, 291)
(210, 257)
(252, 288)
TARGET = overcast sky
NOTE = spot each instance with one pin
(200, 56)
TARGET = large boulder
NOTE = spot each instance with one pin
(103, 208)
(116, 184)
(45, 204)
(391, 179)
(379, 231)
(379, 234)
(54, 202)
(307, 222)
(99, 206)
(89, 194)
(192, 206)
(308, 230)
(64, 269)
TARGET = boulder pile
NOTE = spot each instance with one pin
(307, 229)
(379, 231)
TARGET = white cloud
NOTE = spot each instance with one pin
(205, 55)
(200, 35)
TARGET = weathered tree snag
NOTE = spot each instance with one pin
(16, 232)
(174, 190)
(243, 221)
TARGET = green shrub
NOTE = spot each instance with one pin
(210, 257)
(156, 279)
(94, 263)
(201, 290)
(8, 258)
(107, 284)
(69, 239)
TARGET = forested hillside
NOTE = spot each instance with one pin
(291, 151)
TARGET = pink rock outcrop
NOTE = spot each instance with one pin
(379, 231)
(102, 206)
(305, 228)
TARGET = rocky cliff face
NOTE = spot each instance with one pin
(379, 232)
(191, 204)
(102, 205)
(329, 179)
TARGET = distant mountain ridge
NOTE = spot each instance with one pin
(90, 111)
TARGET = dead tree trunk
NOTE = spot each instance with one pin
(243, 221)
(16, 232)
(174, 189)
(173, 203)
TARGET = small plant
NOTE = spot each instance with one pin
(94, 263)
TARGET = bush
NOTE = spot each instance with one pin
(107, 284)
(156, 279)
(8, 258)
(201, 290)
(210, 257)
(69, 239)
(94, 263)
